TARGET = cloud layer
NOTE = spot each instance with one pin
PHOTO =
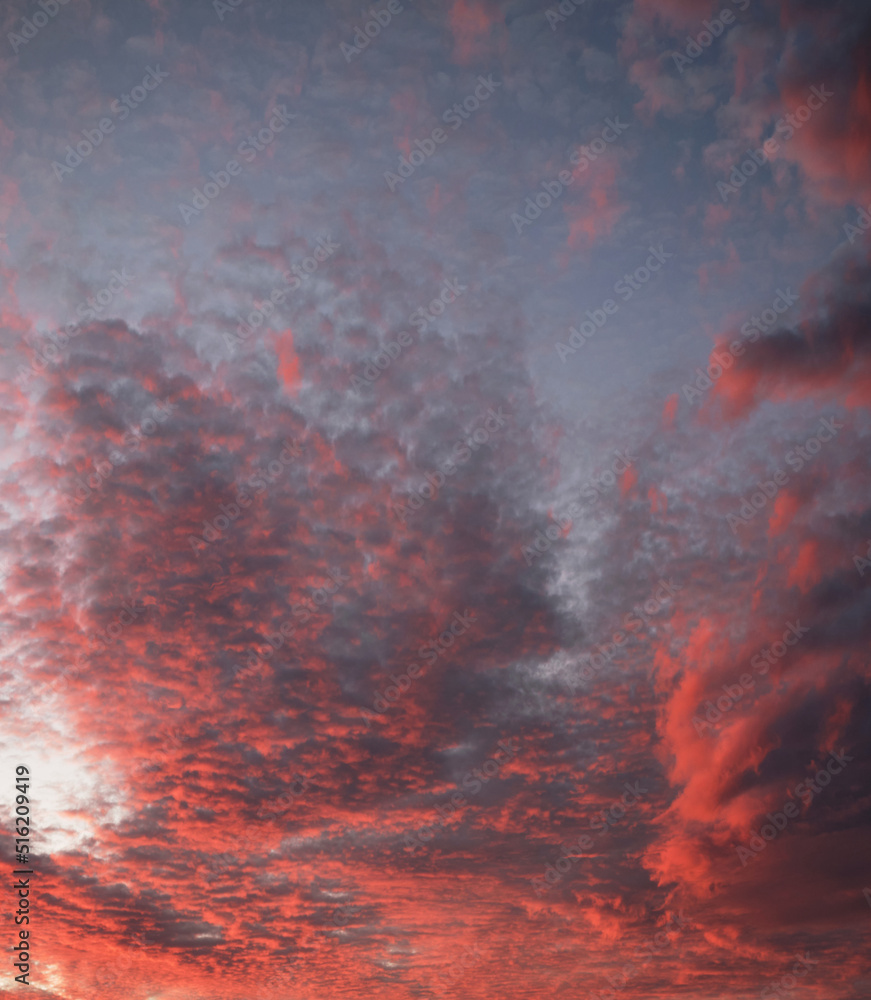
(382, 610)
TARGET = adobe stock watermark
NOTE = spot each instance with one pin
(379, 19)
(460, 965)
(789, 810)
(634, 621)
(455, 116)
(229, 513)
(711, 29)
(101, 641)
(602, 822)
(562, 12)
(94, 137)
(248, 150)
(788, 125)
(425, 316)
(420, 319)
(861, 563)
(563, 523)
(173, 741)
(293, 278)
(625, 287)
(795, 458)
(761, 663)
(345, 913)
(462, 453)
(220, 864)
(88, 311)
(863, 223)
(752, 329)
(657, 944)
(31, 26)
(103, 468)
(302, 611)
(473, 782)
(224, 7)
(787, 983)
(430, 651)
(581, 158)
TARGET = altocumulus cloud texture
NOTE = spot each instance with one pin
(202, 828)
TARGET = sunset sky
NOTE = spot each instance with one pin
(434, 498)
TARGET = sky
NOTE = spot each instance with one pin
(434, 517)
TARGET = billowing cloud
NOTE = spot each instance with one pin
(401, 598)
